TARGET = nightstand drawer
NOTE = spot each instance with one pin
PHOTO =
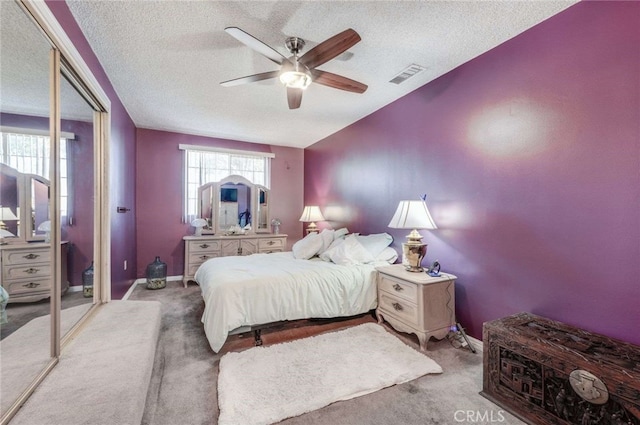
(203, 246)
(403, 310)
(399, 288)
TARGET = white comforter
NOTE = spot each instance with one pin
(265, 288)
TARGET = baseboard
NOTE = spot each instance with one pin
(143, 281)
(77, 288)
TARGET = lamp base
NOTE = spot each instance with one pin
(412, 254)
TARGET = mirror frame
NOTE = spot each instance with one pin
(215, 203)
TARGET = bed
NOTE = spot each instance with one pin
(332, 279)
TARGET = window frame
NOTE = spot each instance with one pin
(191, 211)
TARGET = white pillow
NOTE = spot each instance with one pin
(326, 255)
(327, 239)
(350, 252)
(340, 233)
(388, 254)
(375, 243)
(307, 247)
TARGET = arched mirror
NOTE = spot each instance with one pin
(25, 346)
(234, 202)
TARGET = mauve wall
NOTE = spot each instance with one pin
(530, 156)
(159, 188)
(122, 161)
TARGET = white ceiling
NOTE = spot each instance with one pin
(167, 58)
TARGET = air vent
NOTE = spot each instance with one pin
(407, 73)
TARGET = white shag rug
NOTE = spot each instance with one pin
(264, 385)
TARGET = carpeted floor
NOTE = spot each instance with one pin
(183, 384)
(19, 314)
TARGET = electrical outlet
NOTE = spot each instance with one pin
(125, 264)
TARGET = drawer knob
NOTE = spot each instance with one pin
(31, 285)
(270, 243)
(204, 257)
(30, 256)
(31, 270)
(204, 245)
(397, 287)
(397, 306)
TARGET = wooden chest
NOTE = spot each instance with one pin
(546, 372)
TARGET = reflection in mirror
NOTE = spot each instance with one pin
(262, 210)
(76, 203)
(235, 206)
(234, 202)
(37, 220)
(206, 195)
(25, 330)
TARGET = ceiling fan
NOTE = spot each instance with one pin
(297, 72)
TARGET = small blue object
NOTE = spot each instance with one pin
(434, 270)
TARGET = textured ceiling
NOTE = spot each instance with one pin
(167, 58)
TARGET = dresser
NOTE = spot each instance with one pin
(414, 302)
(198, 249)
(27, 271)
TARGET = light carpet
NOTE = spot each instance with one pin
(264, 385)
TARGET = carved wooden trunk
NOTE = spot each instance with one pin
(546, 372)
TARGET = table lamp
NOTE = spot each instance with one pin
(413, 215)
(311, 214)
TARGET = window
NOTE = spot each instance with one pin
(204, 165)
(29, 154)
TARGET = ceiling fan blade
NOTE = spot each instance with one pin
(330, 48)
(250, 79)
(294, 97)
(257, 45)
(338, 81)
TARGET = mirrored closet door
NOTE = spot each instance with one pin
(76, 203)
(54, 223)
(26, 276)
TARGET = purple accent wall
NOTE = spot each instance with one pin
(530, 157)
(159, 188)
(122, 160)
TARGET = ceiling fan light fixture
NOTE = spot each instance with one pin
(296, 79)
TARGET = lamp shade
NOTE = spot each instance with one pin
(412, 215)
(311, 213)
(45, 226)
(199, 223)
(7, 214)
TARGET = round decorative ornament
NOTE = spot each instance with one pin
(588, 386)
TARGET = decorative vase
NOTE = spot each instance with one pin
(156, 274)
(87, 281)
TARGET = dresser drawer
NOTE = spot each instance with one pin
(400, 308)
(199, 258)
(271, 245)
(26, 256)
(26, 271)
(399, 288)
(203, 246)
(27, 286)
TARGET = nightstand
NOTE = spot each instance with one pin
(415, 302)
